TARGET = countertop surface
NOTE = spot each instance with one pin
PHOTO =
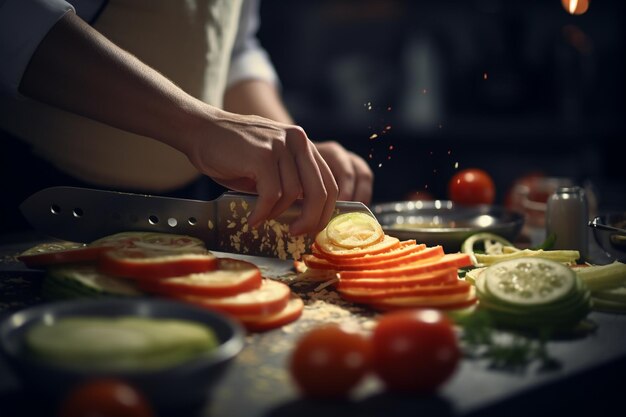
(586, 376)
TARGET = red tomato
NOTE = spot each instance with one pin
(414, 351)
(55, 253)
(105, 397)
(149, 264)
(329, 361)
(471, 186)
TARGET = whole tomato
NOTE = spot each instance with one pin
(414, 351)
(329, 361)
(471, 186)
(108, 397)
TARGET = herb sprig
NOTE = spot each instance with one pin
(505, 351)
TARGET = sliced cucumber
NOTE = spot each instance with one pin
(529, 281)
(119, 342)
(87, 278)
(533, 293)
(354, 230)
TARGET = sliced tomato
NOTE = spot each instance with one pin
(404, 248)
(270, 298)
(231, 277)
(154, 264)
(323, 244)
(264, 322)
(443, 302)
(435, 252)
(152, 240)
(448, 260)
(439, 277)
(360, 295)
(55, 253)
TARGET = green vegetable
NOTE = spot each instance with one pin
(481, 340)
(73, 281)
(484, 242)
(533, 293)
(603, 277)
(119, 343)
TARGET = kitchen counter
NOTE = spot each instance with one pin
(586, 377)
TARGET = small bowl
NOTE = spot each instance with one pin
(612, 243)
(441, 222)
(181, 384)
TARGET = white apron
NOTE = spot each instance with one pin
(189, 41)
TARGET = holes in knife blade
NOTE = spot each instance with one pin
(172, 222)
(77, 212)
(192, 221)
(54, 209)
(153, 219)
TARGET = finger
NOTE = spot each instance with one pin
(332, 191)
(364, 180)
(268, 187)
(344, 172)
(290, 184)
(312, 182)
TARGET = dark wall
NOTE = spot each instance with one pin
(507, 86)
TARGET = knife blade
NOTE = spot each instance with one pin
(84, 215)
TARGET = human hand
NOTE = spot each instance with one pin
(275, 160)
(353, 175)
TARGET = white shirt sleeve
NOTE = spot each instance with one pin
(23, 25)
(248, 59)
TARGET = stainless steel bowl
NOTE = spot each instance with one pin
(181, 384)
(612, 241)
(444, 223)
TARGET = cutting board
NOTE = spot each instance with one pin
(588, 377)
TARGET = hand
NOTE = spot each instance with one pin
(353, 175)
(275, 160)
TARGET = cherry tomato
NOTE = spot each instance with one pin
(105, 397)
(414, 351)
(329, 361)
(471, 186)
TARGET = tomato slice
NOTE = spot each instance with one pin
(270, 298)
(334, 251)
(264, 322)
(443, 301)
(404, 248)
(231, 277)
(439, 277)
(360, 295)
(446, 261)
(155, 264)
(434, 252)
(55, 253)
(353, 230)
(153, 241)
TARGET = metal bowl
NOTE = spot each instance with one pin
(181, 384)
(444, 223)
(612, 242)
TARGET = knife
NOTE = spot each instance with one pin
(84, 215)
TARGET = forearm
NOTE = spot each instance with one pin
(79, 70)
(256, 97)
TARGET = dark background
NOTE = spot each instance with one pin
(553, 99)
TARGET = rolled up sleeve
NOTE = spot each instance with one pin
(23, 25)
(249, 60)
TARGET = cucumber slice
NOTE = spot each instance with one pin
(114, 343)
(608, 306)
(617, 295)
(87, 278)
(529, 281)
(354, 230)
